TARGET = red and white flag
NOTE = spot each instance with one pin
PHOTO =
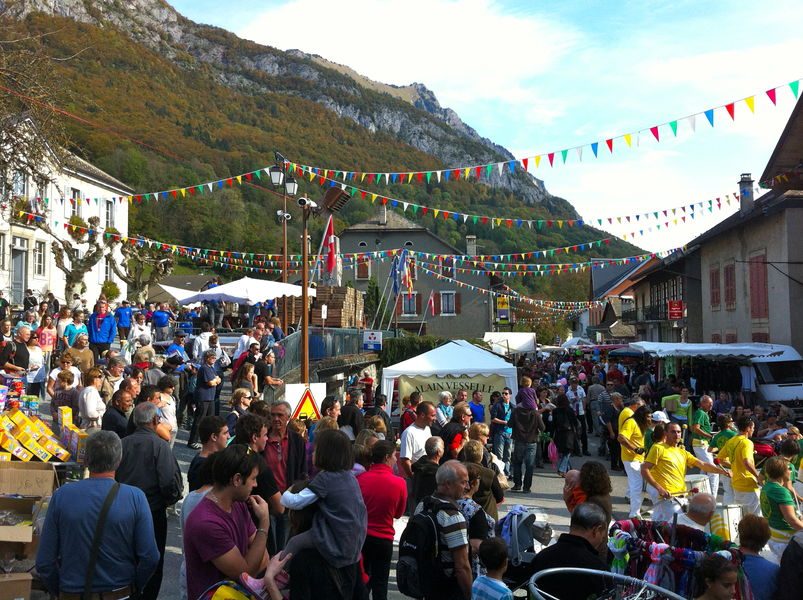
(431, 303)
(329, 239)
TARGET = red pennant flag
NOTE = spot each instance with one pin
(609, 142)
(731, 110)
(363, 193)
(424, 210)
(230, 182)
(456, 173)
(524, 161)
(445, 214)
(485, 220)
(249, 176)
(478, 171)
(771, 95)
(419, 177)
(654, 132)
(370, 177)
(551, 157)
(329, 240)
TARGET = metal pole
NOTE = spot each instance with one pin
(284, 247)
(304, 302)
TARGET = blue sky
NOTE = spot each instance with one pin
(540, 77)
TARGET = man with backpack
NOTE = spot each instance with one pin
(433, 550)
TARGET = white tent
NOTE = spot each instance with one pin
(576, 341)
(178, 293)
(455, 358)
(247, 291)
(511, 342)
(664, 349)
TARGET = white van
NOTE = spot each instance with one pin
(779, 378)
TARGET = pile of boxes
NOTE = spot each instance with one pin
(28, 438)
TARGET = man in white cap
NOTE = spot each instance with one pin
(657, 417)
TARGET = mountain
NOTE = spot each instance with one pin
(176, 103)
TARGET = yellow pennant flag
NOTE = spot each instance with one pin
(373, 198)
(240, 179)
(409, 177)
(183, 192)
(628, 140)
(130, 199)
(560, 224)
(537, 161)
(751, 103)
(362, 176)
(435, 211)
(311, 175)
(465, 175)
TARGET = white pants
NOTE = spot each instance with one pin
(750, 502)
(663, 510)
(777, 548)
(727, 491)
(705, 456)
(635, 484)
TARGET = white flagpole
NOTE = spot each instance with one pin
(429, 303)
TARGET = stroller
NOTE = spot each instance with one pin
(526, 532)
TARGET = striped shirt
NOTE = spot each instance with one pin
(452, 533)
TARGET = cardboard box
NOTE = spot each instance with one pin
(10, 444)
(20, 419)
(15, 586)
(7, 424)
(5, 456)
(65, 416)
(22, 533)
(33, 479)
(80, 447)
(41, 427)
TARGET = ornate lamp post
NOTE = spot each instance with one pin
(279, 177)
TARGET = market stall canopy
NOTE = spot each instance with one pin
(247, 291)
(510, 342)
(456, 358)
(576, 341)
(178, 294)
(665, 350)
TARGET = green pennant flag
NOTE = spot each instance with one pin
(199, 189)
(710, 209)
(475, 219)
(488, 170)
(674, 126)
(429, 176)
(257, 173)
(415, 208)
(600, 222)
(655, 214)
(795, 85)
(564, 153)
(353, 191)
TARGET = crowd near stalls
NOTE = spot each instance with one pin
(277, 507)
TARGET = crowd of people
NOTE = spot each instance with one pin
(280, 507)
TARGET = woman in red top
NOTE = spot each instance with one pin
(385, 496)
(48, 336)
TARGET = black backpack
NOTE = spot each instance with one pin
(419, 566)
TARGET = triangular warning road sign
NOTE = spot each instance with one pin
(307, 409)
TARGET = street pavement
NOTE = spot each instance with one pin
(547, 496)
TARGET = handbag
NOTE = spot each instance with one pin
(93, 554)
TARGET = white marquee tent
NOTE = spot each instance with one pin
(511, 342)
(455, 358)
(247, 291)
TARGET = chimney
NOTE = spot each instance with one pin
(471, 245)
(383, 215)
(746, 201)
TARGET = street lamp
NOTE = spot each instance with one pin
(333, 200)
(279, 176)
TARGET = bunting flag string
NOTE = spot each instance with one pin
(487, 170)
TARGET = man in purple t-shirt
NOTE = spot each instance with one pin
(220, 540)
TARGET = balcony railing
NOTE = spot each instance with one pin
(645, 314)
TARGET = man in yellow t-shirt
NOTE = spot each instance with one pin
(631, 438)
(631, 404)
(664, 470)
(737, 452)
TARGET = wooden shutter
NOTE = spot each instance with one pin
(730, 338)
(716, 338)
(418, 304)
(436, 300)
(457, 303)
(759, 293)
(714, 285)
(730, 285)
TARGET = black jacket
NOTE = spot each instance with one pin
(527, 425)
(351, 415)
(423, 478)
(378, 410)
(296, 458)
(148, 463)
(115, 420)
(570, 551)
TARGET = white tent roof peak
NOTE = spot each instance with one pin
(247, 291)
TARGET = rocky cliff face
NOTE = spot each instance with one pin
(412, 114)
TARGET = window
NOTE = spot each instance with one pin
(109, 213)
(759, 293)
(39, 249)
(109, 272)
(72, 205)
(785, 371)
(729, 272)
(409, 304)
(447, 267)
(716, 337)
(363, 245)
(761, 337)
(448, 303)
(730, 337)
(714, 287)
(363, 268)
(2, 251)
(19, 184)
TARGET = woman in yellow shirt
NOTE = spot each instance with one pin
(738, 453)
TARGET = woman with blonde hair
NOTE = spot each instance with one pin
(240, 401)
(377, 424)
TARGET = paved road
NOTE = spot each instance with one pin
(547, 497)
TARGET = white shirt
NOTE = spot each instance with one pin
(683, 519)
(137, 330)
(243, 344)
(169, 412)
(91, 406)
(576, 398)
(412, 442)
(75, 371)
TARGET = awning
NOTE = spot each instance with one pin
(743, 351)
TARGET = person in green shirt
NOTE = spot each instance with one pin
(701, 437)
(654, 433)
(778, 505)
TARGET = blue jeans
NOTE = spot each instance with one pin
(502, 447)
(523, 456)
(564, 462)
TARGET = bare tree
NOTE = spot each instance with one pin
(142, 267)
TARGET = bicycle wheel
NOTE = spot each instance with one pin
(617, 587)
